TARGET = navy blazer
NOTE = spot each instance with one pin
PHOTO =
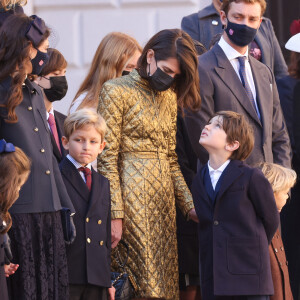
(89, 255)
(59, 120)
(223, 90)
(235, 232)
(200, 27)
(44, 191)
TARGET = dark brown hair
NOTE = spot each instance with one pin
(14, 166)
(294, 65)
(226, 4)
(15, 59)
(237, 129)
(175, 43)
(56, 62)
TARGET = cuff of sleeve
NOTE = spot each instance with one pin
(117, 214)
(187, 207)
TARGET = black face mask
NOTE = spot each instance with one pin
(160, 81)
(240, 35)
(125, 73)
(39, 62)
(58, 89)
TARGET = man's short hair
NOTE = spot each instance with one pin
(84, 117)
(237, 129)
(226, 4)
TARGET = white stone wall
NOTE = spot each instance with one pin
(81, 24)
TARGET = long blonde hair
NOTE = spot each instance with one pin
(111, 57)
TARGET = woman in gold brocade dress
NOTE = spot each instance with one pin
(140, 161)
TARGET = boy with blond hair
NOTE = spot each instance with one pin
(282, 180)
(89, 255)
(237, 214)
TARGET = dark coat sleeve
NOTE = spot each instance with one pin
(296, 118)
(262, 197)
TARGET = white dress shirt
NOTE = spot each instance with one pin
(232, 56)
(78, 165)
(47, 114)
(216, 174)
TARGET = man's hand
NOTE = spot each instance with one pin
(116, 232)
(10, 269)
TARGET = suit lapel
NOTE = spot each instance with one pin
(228, 75)
(263, 91)
(96, 191)
(203, 194)
(73, 176)
(235, 172)
(55, 148)
(44, 118)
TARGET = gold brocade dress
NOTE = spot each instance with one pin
(141, 164)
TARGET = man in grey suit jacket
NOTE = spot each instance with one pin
(205, 24)
(222, 88)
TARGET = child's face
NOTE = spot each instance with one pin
(281, 198)
(213, 137)
(84, 144)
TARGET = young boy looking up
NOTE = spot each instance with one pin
(237, 214)
(89, 255)
(282, 180)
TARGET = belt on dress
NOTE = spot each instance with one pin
(144, 155)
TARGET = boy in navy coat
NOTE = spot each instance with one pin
(237, 214)
(89, 255)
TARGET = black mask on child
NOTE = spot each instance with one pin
(240, 35)
(125, 73)
(159, 80)
(39, 62)
(58, 89)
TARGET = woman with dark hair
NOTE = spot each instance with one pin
(140, 160)
(10, 7)
(36, 235)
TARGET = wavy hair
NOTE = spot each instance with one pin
(15, 59)
(14, 171)
(175, 43)
(111, 57)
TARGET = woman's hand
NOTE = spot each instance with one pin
(193, 215)
(10, 269)
(111, 292)
(116, 232)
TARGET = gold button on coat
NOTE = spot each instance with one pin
(88, 240)
(35, 129)
(48, 172)
(99, 222)
(42, 150)
(29, 108)
(87, 220)
(101, 243)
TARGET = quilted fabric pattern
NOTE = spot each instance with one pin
(141, 164)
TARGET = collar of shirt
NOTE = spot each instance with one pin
(50, 112)
(77, 164)
(220, 169)
(230, 52)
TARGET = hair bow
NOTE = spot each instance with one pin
(6, 147)
(295, 27)
(35, 30)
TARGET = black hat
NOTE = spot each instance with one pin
(36, 30)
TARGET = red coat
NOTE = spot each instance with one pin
(279, 268)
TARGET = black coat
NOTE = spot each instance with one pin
(188, 248)
(59, 120)
(44, 191)
(234, 233)
(89, 255)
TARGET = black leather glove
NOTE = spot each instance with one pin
(68, 226)
(7, 251)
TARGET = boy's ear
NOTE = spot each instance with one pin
(233, 146)
(102, 146)
(65, 142)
